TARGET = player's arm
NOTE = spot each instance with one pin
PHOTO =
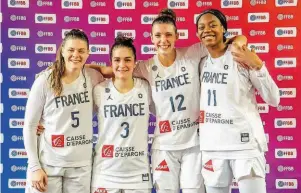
(106, 71)
(97, 97)
(259, 75)
(34, 109)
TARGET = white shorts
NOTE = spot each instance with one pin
(63, 179)
(106, 190)
(177, 169)
(139, 181)
(220, 172)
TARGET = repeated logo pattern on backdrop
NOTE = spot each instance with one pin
(32, 30)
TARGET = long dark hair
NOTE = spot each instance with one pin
(58, 67)
(167, 16)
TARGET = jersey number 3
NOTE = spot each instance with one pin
(126, 129)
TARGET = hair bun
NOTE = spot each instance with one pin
(123, 39)
(168, 13)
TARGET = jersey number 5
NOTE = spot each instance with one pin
(75, 119)
(126, 129)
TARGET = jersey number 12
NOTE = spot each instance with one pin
(179, 98)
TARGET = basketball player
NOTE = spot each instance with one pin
(61, 100)
(174, 78)
(232, 138)
(121, 163)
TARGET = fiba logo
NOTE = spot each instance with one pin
(203, 3)
(15, 168)
(42, 34)
(286, 3)
(257, 33)
(15, 48)
(45, 18)
(147, 4)
(126, 33)
(232, 18)
(15, 78)
(68, 19)
(286, 184)
(18, 63)
(285, 32)
(72, 4)
(147, 19)
(16, 123)
(95, 34)
(17, 18)
(285, 108)
(259, 47)
(99, 49)
(282, 77)
(281, 47)
(258, 2)
(16, 138)
(45, 48)
(281, 168)
(18, 33)
(97, 4)
(16, 183)
(258, 17)
(18, 3)
(233, 32)
(124, 19)
(148, 49)
(42, 3)
(286, 153)
(183, 34)
(17, 153)
(285, 123)
(177, 4)
(281, 138)
(98, 19)
(281, 16)
(287, 92)
(15, 108)
(18, 93)
(41, 63)
(285, 62)
(125, 4)
(231, 3)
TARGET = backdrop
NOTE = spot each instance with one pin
(32, 30)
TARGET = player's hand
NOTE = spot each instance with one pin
(40, 130)
(39, 180)
(245, 57)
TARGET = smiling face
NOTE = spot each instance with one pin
(164, 37)
(75, 53)
(123, 62)
(210, 30)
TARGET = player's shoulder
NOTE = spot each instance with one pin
(105, 84)
(141, 83)
(43, 76)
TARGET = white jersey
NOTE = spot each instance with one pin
(122, 148)
(175, 91)
(67, 119)
(229, 117)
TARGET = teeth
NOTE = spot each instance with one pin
(164, 47)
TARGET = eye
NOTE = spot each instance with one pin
(157, 35)
(81, 51)
(71, 50)
(213, 25)
(201, 28)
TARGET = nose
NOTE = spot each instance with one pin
(163, 38)
(122, 63)
(207, 28)
(75, 53)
